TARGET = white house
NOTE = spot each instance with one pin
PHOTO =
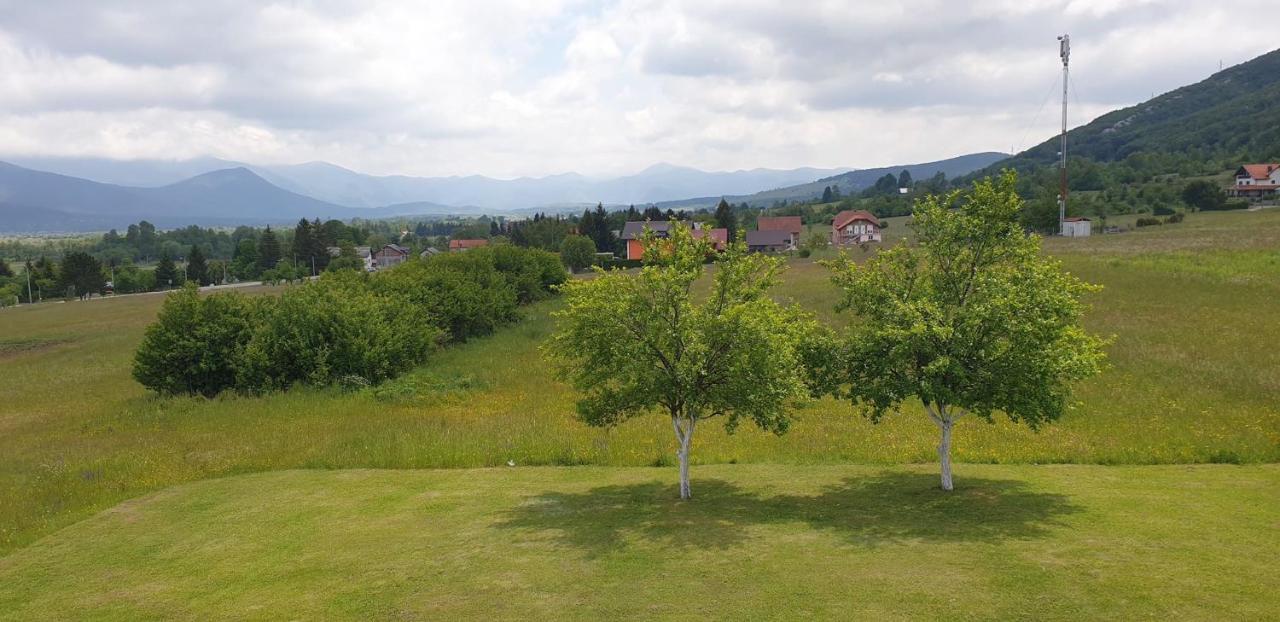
(854, 227)
(1256, 181)
(1077, 227)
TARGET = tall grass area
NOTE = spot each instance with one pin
(1195, 371)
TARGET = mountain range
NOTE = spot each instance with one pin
(85, 194)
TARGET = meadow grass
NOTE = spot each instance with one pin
(1195, 371)
(1064, 542)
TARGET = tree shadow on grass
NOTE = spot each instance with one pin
(869, 511)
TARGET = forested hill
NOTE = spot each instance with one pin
(1232, 115)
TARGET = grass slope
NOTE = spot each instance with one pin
(1195, 371)
(756, 542)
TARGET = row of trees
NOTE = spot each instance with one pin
(970, 321)
(347, 327)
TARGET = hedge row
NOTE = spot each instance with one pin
(347, 327)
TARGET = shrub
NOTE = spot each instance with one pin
(1163, 211)
(461, 292)
(331, 329)
(1174, 219)
(803, 253)
(194, 345)
(1235, 204)
(577, 252)
(1148, 222)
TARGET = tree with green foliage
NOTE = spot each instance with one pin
(971, 320)
(195, 344)
(268, 250)
(904, 179)
(197, 269)
(82, 273)
(726, 219)
(826, 194)
(577, 252)
(347, 259)
(166, 272)
(5, 270)
(1203, 195)
(244, 264)
(643, 343)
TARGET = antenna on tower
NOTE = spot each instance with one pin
(1064, 51)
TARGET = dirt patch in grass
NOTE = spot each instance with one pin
(19, 347)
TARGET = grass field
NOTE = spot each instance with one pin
(1061, 542)
(1194, 378)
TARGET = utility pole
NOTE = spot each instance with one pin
(27, 269)
(1064, 50)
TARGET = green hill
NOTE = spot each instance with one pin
(1231, 116)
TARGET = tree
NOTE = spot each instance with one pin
(166, 272)
(726, 219)
(347, 259)
(83, 273)
(904, 179)
(244, 264)
(194, 345)
(971, 320)
(1203, 195)
(577, 252)
(268, 250)
(197, 269)
(826, 194)
(5, 270)
(643, 343)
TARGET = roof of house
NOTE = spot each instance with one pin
(718, 236)
(463, 244)
(361, 251)
(791, 224)
(1258, 171)
(1076, 219)
(429, 251)
(633, 230)
(396, 248)
(844, 218)
(768, 238)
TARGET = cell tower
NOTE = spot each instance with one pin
(1064, 50)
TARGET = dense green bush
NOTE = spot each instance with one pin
(334, 328)
(347, 328)
(1163, 211)
(1174, 219)
(461, 292)
(196, 343)
(1148, 222)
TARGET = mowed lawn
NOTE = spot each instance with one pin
(1054, 542)
(1194, 378)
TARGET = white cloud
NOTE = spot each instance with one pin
(545, 86)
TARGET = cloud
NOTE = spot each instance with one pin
(544, 86)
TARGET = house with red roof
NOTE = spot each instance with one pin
(465, 245)
(633, 232)
(792, 225)
(852, 227)
(1256, 181)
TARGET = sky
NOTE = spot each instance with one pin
(538, 87)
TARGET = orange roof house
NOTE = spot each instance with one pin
(854, 227)
(634, 230)
(462, 245)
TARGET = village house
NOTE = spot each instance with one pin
(633, 231)
(1256, 181)
(363, 252)
(790, 224)
(457, 246)
(852, 227)
(770, 241)
(390, 256)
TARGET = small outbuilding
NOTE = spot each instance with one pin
(770, 241)
(1077, 227)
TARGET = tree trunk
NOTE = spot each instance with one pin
(684, 436)
(944, 452)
